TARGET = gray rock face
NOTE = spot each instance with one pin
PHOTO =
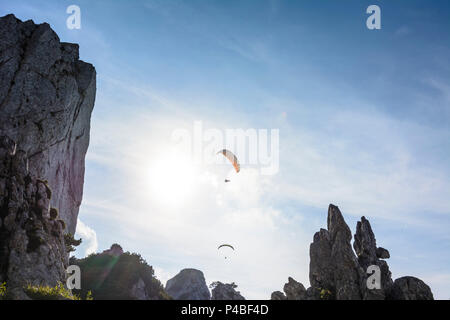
(115, 250)
(189, 284)
(46, 98)
(321, 272)
(346, 269)
(337, 273)
(32, 247)
(225, 291)
(368, 254)
(410, 288)
(382, 253)
(277, 295)
(333, 264)
(294, 290)
(139, 290)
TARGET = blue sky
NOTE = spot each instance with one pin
(363, 117)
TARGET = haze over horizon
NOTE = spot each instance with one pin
(363, 119)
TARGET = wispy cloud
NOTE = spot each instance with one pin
(370, 164)
(256, 50)
(88, 236)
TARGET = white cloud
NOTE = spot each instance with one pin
(88, 236)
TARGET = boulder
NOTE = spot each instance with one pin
(410, 288)
(277, 295)
(189, 284)
(383, 253)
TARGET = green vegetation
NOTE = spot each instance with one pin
(111, 277)
(89, 295)
(216, 283)
(3, 291)
(71, 242)
(325, 294)
(59, 292)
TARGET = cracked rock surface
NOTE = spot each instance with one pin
(32, 246)
(46, 98)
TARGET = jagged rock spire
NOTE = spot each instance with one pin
(335, 272)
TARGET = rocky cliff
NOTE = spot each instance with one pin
(32, 246)
(189, 284)
(46, 99)
(336, 272)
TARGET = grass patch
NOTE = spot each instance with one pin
(58, 292)
(3, 291)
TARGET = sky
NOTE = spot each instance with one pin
(362, 115)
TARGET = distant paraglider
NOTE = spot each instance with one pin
(225, 246)
(232, 158)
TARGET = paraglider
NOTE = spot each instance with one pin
(225, 246)
(232, 158)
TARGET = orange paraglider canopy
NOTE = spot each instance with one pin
(233, 159)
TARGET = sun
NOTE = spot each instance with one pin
(172, 178)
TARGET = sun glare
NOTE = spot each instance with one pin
(172, 179)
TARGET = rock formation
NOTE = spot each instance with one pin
(225, 291)
(278, 295)
(294, 290)
(336, 272)
(410, 288)
(333, 265)
(115, 250)
(32, 246)
(46, 99)
(368, 254)
(189, 284)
